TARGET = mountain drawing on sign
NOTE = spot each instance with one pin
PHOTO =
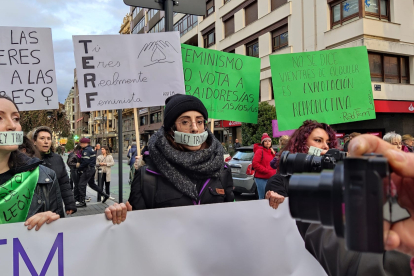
(158, 52)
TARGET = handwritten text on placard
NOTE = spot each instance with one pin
(332, 86)
(227, 84)
(27, 67)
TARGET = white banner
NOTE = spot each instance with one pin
(128, 71)
(27, 67)
(244, 238)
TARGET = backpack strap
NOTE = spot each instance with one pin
(148, 186)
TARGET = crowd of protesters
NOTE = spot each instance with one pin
(173, 172)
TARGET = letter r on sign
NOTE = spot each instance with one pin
(18, 250)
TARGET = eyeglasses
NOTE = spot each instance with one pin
(187, 124)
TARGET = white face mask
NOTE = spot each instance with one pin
(190, 139)
(11, 138)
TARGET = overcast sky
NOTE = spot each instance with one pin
(66, 18)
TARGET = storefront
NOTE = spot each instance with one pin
(227, 132)
(395, 116)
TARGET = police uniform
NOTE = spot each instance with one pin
(87, 174)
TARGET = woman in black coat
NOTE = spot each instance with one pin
(42, 138)
(185, 163)
(30, 191)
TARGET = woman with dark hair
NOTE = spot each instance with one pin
(263, 155)
(310, 133)
(42, 138)
(185, 163)
(37, 184)
(29, 148)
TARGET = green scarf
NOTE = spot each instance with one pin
(16, 196)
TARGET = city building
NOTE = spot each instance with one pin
(70, 109)
(83, 122)
(261, 28)
(104, 129)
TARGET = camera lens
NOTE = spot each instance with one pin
(317, 198)
(291, 163)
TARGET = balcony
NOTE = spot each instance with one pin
(363, 27)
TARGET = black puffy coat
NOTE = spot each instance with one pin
(216, 190)
(46, 196)
(55, 162)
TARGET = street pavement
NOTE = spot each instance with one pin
(93, 207)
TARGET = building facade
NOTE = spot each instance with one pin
(70, 109)
(261, 28)
(82, 119)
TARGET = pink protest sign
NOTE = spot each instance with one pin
(277, 133)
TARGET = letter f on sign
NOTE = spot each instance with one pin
(89, 98)
(18, 250)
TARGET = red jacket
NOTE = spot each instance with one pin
(261, 162)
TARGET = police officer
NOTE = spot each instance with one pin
(86, 169)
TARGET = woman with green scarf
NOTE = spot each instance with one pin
(29, 192)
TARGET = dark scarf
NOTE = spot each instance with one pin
(183, 168)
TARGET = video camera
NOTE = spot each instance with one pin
(347, 196)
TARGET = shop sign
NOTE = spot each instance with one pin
(231, 124)
(394, 106)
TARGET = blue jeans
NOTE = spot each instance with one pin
(261, 185)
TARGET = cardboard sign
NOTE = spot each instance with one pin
(332, 86)
(232, 239)
(277, 133)
(27, 68)
(227, 84)
(128, 71)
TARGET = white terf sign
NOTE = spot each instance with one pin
(27, 67)
(128, 71)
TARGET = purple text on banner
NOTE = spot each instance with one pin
(277, 133)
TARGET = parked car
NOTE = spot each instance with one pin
(242, 170)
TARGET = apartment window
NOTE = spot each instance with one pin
(186, 24)
(143, 120)
(344, 11)
(388, 68)
(156, 118)
(139, 26)
(159, 27)
(251, 13)
(151, 14)
(280, 38)
(136, 11)
(277, 3)
(209, 7)
(229, 27)
(110, 123)
(252, 49)
(377, 8)
(209, 38)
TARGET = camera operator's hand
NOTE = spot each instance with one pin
(274, 199)
(398, 236)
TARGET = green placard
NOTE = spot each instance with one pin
(332, 86)
(227, 84)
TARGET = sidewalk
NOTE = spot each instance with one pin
(92, 207)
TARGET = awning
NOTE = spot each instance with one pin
(394, 106)
(79, 119)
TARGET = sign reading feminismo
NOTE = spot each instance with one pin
(227, 84)
(128, 71)
(27, 67)
(187, 240)
(332, 86)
